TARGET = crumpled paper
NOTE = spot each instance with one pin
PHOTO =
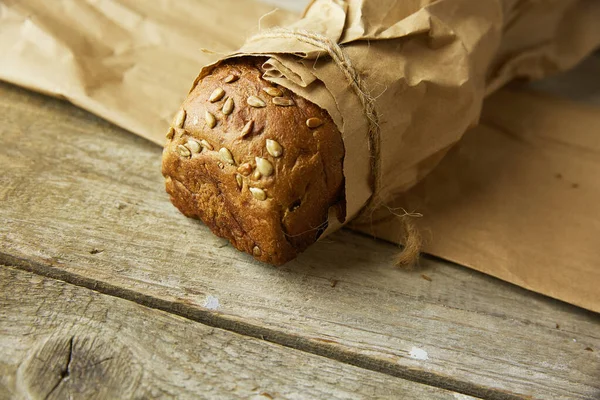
(128, 61)
(428, 65)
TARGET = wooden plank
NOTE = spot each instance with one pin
(62, 341)
(83, 201)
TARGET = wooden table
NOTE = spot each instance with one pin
(108, 292)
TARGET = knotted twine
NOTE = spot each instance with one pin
(412, 239)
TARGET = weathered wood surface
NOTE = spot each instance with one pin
(61, 341)
(83, 201)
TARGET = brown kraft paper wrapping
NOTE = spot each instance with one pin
(128, 61)
(518, 197)
(426, 66)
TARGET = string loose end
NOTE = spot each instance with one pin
(413, 241)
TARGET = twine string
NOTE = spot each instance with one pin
(410, 253)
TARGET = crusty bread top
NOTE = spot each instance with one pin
(258, 164)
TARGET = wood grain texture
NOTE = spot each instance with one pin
(60, 341)
(83, 201)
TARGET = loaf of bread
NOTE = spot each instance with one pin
(256, 163)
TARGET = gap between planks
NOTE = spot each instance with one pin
(61, 340)
(218, 320)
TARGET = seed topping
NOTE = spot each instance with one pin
(231, 78)
(216, 95)
(283, 101)
(206, 145)
(274, 148)
(264, 166)
(247, 129)
(210, 119)
(256, 102)
(226, 156)
(314, 122)
(228, 106)
(256, 175)
(273, 91)
(194, 146)
(179, 119)
(239, 180)
(258, 193)
(170, 133)
(183, 151)
(256, 251)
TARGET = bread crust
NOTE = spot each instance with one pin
(306, 177)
